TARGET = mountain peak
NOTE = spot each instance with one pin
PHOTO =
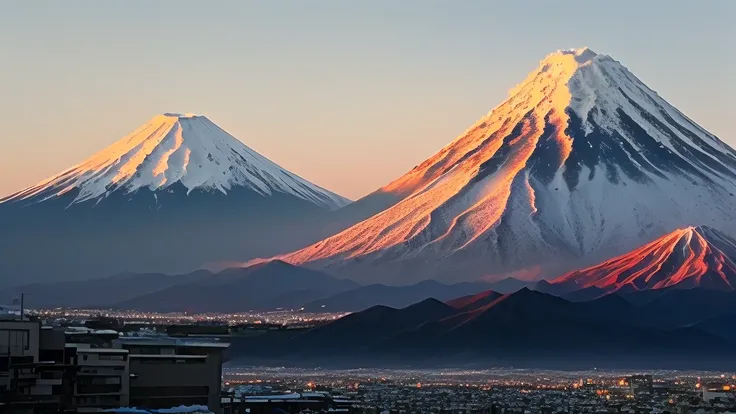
(582, 55)
(172, 148)
(187, 115)
(539, 182)
(688, 257)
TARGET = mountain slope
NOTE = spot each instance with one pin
(582, 162)
(176, 193)
(371, 326)
(365, 297)
(96, 293)
(476, 301)
(525, 328)
(260, 287)
(176, 148)
(685, 258)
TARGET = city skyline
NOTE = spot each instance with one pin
(317, 90)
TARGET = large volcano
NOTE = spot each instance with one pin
(174, 194)
(583, 161)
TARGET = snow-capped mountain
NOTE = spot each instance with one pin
(581, 162)
(176, 193)
(176, 148)
(685, 258)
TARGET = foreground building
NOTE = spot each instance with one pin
(168, 372)
(41, 371)
(103, 379)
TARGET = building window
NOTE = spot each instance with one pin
(14, 341)
(108, 357)
(98, 389)
(141, 392)
(172, 360)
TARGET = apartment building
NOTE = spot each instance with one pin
(42, 370)
(102, 380)
(35, 375)
(166, 372)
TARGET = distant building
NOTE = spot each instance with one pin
(198, 330)
(95, 338)
(640, 384)
(722, 392)
(316, 402)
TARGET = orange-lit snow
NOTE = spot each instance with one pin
(184, 148)
(436, 181)
(681, 256)
(451, 208)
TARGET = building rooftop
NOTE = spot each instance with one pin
(170, 342)
(102, 351)
(167, 356)
(81, 330)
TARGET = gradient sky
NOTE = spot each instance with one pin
(348, 94)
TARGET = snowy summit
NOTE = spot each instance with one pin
(581, 162)
(177, 148)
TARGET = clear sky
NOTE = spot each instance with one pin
(348, 94)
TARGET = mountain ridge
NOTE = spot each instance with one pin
(525, 328)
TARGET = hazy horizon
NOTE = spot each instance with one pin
(347, 95)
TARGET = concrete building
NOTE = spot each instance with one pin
(42, 372)
(19, 339)
(102, 380)
(167, 372)
(35, 376)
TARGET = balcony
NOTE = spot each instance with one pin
(98, 389)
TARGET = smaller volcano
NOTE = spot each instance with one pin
(176, 193)
(171, 150)
(685, 258)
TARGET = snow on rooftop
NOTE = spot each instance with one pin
(102, 351)
(167, 356)
(290, 396)
(168, 341)
(183, 409)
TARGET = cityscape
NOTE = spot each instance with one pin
(77, 362)
(367, 207)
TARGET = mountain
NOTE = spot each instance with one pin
(365, 297)
(723, 326)
(370, 327)
(678, 307)
(95, 293)
(510, 285)
(176, 193)
(525, 328)
(474, 302)
(582, 162)
(685, 258)
(265, 286)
